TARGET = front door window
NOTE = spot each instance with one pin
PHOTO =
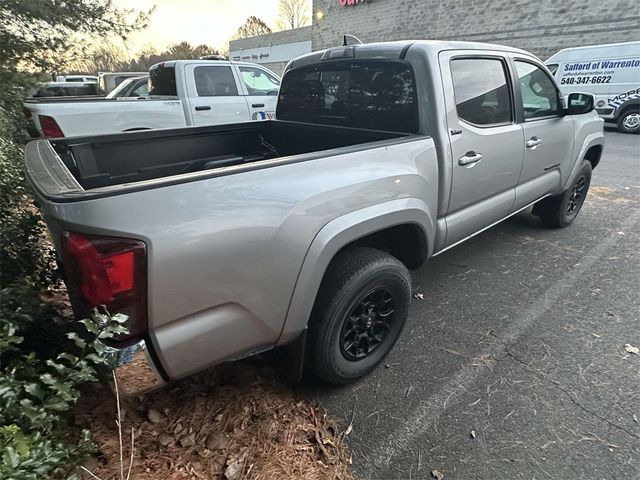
(539, 94)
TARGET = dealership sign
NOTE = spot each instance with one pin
(271, 53)
(344, 3)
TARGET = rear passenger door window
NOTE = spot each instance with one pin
(540, 96)
(482, 93)
(215, 82)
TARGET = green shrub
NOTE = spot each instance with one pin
(43, 362)
(24, 255)
(38, 389)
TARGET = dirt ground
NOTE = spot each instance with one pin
(236, 421)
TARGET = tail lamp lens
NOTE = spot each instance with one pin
(109, 271)
(49, 126)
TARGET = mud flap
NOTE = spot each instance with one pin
(289, 359)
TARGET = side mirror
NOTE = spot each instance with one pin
(579, 103)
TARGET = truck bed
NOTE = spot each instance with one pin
(111, 160)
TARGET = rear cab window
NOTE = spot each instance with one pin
(378, 95)
(162, 81)
(88, 89)
(68, 90)
(118, 80)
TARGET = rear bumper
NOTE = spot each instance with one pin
(136, 373)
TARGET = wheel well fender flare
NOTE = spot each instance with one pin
(595, 141)
(339, 233)
(632, 102)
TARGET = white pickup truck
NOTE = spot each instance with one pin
(181, 93)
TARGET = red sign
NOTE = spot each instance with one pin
(344, 3)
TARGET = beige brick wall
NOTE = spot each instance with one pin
(541, 27)
(277, 38)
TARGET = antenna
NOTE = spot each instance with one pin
(350, 40)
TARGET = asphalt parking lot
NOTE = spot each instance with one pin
(513, 365)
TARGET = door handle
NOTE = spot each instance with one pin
(469, 159)
(533, 143)
(200, 108)
(258, 105)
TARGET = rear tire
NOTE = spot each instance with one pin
(358, 315)
(629, 120)
(561, 210)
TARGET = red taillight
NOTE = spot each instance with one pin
(109, 271)
(50, 127)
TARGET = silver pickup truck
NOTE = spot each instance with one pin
(224, 241)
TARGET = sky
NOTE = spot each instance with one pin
(211, 22)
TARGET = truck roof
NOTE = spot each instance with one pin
(107, 74)
(395, 49)
(175, 63)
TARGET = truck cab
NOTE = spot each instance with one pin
(217, 91)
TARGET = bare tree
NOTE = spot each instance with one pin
(178, 51)
(251, 28)
(293, 14)
(107, 56)
(144, 59)
(186, 51)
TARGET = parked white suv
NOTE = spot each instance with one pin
(77, 78)
(110, 80)
(181, 93)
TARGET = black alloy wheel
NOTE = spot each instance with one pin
(358, 315)
(562, 209)
(367, 324)
(577, 195)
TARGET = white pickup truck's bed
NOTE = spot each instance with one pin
(87, 117)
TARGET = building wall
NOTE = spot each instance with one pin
(539, 26)
(273, 50)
